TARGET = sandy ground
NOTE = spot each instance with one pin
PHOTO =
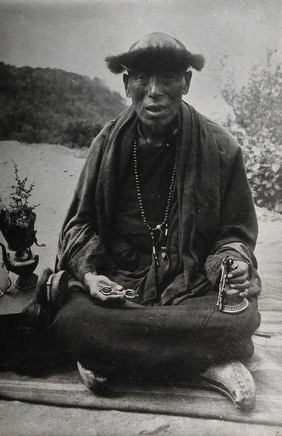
(55, 171)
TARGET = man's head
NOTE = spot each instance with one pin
(156, 76)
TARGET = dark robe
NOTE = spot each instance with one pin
(177, 325)
(212, 213)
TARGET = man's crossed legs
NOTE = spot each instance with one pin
(192, 338)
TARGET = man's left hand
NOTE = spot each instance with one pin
(238, 278)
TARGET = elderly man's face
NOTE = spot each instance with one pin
(156, 97)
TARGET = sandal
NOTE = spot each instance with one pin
(234, 380)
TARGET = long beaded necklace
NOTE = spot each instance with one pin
(164, 224)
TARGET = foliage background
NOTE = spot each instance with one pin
(256, 121)
(54, 106)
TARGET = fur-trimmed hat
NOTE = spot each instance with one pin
(156, 52)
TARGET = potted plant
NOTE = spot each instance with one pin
(17, 216)
(17, 219)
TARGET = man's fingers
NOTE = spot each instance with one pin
(239, 286)
(111, 292)
(113, 300)
(99, 283)
(237, 273)
(97, 293)
(239, 269)
(113, 297)
(239, 280)
(116, 288)
(238, 277)
(109, 284)
(252, 292)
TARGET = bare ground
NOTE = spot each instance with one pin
(55, 170)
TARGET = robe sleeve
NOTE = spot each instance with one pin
(80, 249)
(238, 224)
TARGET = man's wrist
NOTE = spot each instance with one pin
(88, 275)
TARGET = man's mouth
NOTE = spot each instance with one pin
(156, 108)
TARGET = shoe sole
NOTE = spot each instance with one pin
(58, 288)
(41, 288)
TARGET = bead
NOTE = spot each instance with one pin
(140, 201)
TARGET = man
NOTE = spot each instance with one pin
(162, 200)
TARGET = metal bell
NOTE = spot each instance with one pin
(229, 300)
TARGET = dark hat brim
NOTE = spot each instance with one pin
(155, 59)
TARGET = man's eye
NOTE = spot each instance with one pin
(142, 78)
(170, 77)
(139, 77)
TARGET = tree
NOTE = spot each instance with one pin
(257, 123)
(49, 105)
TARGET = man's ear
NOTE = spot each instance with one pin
(187, 78)
(126, 87)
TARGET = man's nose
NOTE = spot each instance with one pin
(154, 87)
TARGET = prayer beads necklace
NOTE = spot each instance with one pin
(164, 223)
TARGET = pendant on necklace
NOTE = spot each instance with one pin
(155, 256)
(163, 226)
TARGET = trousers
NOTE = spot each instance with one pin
(180, 339)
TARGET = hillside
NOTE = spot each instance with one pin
(55, 106)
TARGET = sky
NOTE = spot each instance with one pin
(77, 36)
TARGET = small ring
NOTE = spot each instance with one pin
(106, 290)
(129, 293)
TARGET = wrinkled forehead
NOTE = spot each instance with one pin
(165, 76)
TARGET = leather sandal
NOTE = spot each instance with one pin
(234, 380)
(52, 288)
(95, 382)
(41, 288)
(57, 289)
(50, 295)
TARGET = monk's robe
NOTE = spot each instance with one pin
(212, 214)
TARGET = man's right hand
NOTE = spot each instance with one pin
(95, 283)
